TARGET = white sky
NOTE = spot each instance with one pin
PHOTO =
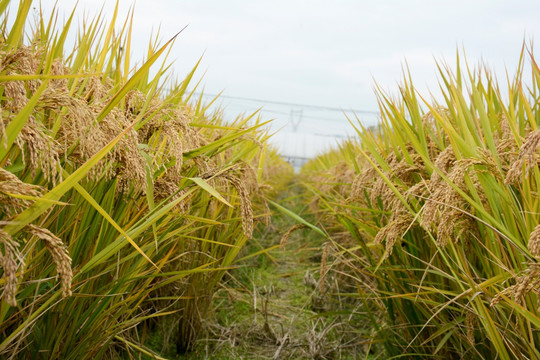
(325, 53)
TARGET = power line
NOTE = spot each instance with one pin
(278, 112)
(318, 107)
(297, 113)
(333, 119)
(337, 136)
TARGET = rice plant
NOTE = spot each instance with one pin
(123, 199)
(441, 210)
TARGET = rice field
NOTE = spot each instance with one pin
(137, 223)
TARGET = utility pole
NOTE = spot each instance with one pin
(295, 118)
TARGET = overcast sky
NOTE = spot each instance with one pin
(326, 53)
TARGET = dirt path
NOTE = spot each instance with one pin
(273, 307)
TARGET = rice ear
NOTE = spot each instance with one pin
(393, 232)
(470, 324)
(246, 210)
(528, 154)
(43, 152)
(288, 233)
(324, 267)
(534, 242)
(529, 281)
(10, 184)
(59, 254)
(8, 262)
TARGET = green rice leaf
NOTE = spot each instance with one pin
(107, 217)
(296, 217)
(206, 187)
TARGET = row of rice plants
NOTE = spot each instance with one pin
(440, 209)
(122, 205)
